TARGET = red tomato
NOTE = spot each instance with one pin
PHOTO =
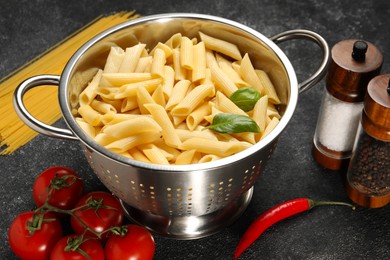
(91, 247)
(38, 245)
(136, 243)
(66, 184)
(104, 212)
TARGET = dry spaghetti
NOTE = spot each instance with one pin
(42, 103)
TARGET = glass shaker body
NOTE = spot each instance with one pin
(353, 64)
(336, 126)
(368, 176)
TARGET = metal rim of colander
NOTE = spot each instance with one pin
(89, 142)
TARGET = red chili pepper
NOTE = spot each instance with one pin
(276, 214)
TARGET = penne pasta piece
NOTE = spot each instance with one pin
(260, 112)
(130, 90)
(131, 58)
(180, 72)
(143, 97)
(158, 96)
(246, 136)
(232, 74)
(168, 131)
(197, 116)
(248, 73)
(104, 139)
(272, 111)
(222, 81)
(168, 81)
(178, 93)
(102, 107)
(167, 49)
(138, 155)
(185, 157)
(168, 149)
(89, 93)
(199, 62)
(193, 99)
(174, 41)
(271, 125)
(144, 65)
(210, 59)
(225, 105)
(132, 126)
(113, 118)
(122, 145)
(129, 103)
(154, 154)
(114, 59)
(221, 46)
(209, 158)
(184, 134)
(107, 92)
(90, 115)
(158, 63)
(218, 148)
(119, 79)
(186, 53)
(87, 128)
(268, 86)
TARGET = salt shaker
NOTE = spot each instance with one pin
(368, 176)
(353, 64)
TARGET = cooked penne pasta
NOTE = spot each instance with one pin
(114, 59)
(185, 157)
(178, 93)
(269, 88)
(186, 53)
(197, 116)
(248, 73)
(199, 62)
(168, 131)
(218, 148)
(158, 63)
(222, 81)
(143, 97)
(131, 58)
(90, 115)
(89, 93)
(260, 112)
(120, 79)
(125, 144)
(132, 126)
(155, 106)
(221, 46)
(193, 99)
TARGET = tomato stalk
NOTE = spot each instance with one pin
(276, 214)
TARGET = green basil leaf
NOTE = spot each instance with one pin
(233, 123)
(245, 98)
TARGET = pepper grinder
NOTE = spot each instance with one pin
(353, 64)
(368, 176)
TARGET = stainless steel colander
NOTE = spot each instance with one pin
(183, 201)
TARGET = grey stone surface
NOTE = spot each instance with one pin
(28, 28)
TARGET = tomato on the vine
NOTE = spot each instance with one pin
(102, 211)
(65, 184)
(33, 235)
(71, 248)
(130, 242)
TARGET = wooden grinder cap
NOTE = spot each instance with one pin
(376, 117)
(354, 63)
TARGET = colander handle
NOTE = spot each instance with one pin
(312, 36)
(29, 119)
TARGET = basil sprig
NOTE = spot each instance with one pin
(245, 98)
(233, 123)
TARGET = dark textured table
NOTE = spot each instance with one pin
(28, 28)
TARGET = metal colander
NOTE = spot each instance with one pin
(179, 201)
